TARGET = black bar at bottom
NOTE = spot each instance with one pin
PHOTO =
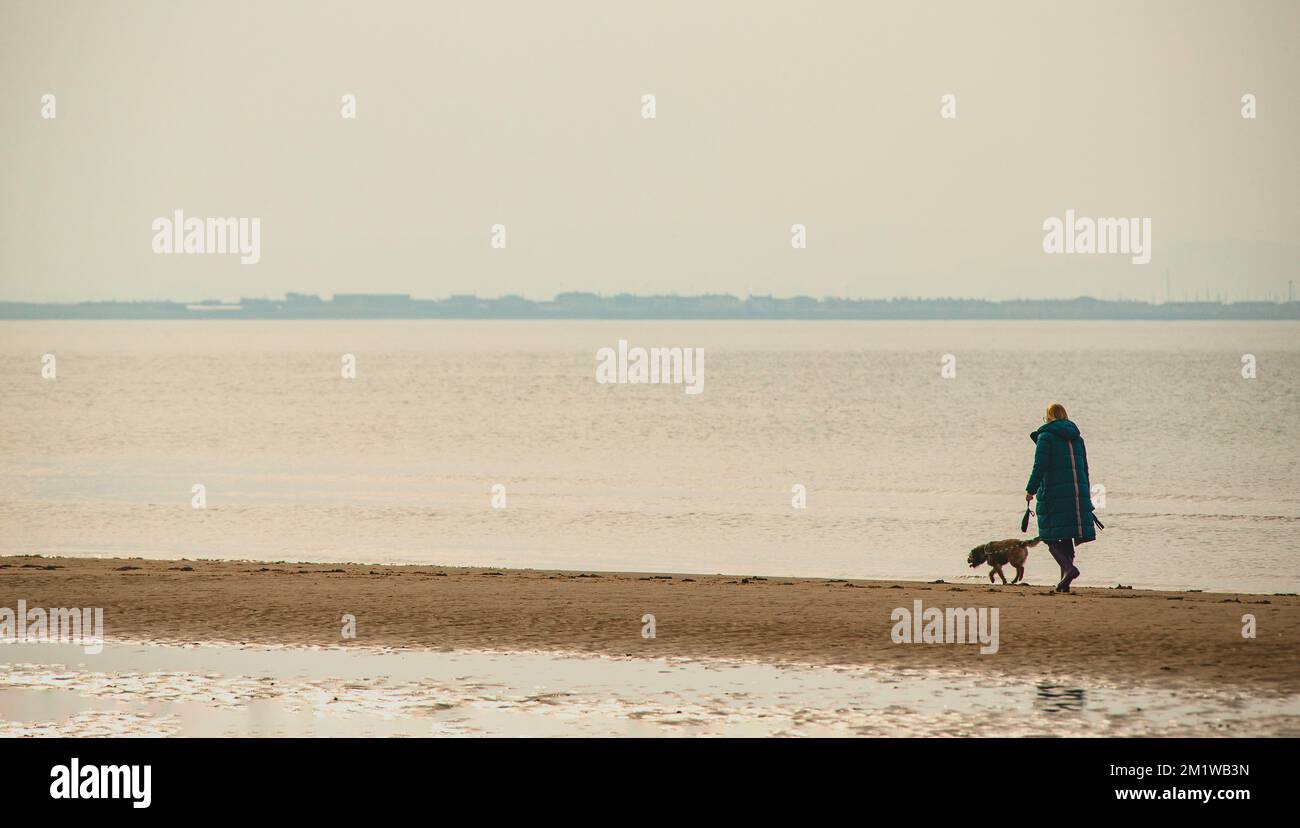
(726, 776)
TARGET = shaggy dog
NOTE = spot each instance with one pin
(998, 554)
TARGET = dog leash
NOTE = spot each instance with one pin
(1024, 521)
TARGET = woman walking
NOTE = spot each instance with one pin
(1060, 481)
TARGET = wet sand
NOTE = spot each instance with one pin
(1172, 639)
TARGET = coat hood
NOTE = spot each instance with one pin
(1065, 429)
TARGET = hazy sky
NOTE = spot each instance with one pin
(529, 114)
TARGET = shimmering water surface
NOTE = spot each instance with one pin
(905, 471)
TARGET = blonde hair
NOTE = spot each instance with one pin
(1056, 411)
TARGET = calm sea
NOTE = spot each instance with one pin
(904, 470)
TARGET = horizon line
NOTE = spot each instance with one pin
(295, 297)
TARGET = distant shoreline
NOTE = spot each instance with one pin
(1170, 639)
(588, 306)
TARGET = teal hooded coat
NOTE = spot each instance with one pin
(1059, 483)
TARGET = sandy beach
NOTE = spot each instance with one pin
(1163, 639)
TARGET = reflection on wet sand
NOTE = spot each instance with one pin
(1057, 698)
(220, 690)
